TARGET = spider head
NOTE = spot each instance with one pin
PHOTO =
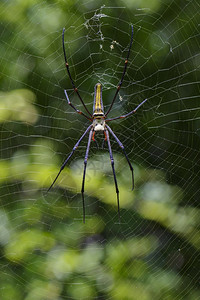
(99, 124)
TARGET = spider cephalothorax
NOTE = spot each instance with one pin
(99, 123)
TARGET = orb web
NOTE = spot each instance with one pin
(47, 252)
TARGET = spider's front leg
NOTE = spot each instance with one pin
(123, 74)
(70, 77)
(77, 110)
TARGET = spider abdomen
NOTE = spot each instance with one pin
(98, 103)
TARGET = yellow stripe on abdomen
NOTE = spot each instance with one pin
(98, 101)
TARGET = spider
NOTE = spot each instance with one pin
(99, 124)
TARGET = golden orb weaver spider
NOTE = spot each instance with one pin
(99, 123)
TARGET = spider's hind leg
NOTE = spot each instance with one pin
(68, 158)
(122, 147)
(84, 172)
(113, 169)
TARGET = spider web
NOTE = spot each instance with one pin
(46, 250)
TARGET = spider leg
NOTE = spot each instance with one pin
(113, 169)
(70, 77)
(105, 139)
(121, 146)
(123, 74)
(95, 140)
(65, 162)
(78, 111)
(128, 114)
(84, 172)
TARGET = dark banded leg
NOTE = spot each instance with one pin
(70, 77)
(123, 74)
(128, 114)
(78, 111)
(104, 140)
(66, 161)
(121, 145)
(84, 172)
(113, 169)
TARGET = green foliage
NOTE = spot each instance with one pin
(46, 250)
